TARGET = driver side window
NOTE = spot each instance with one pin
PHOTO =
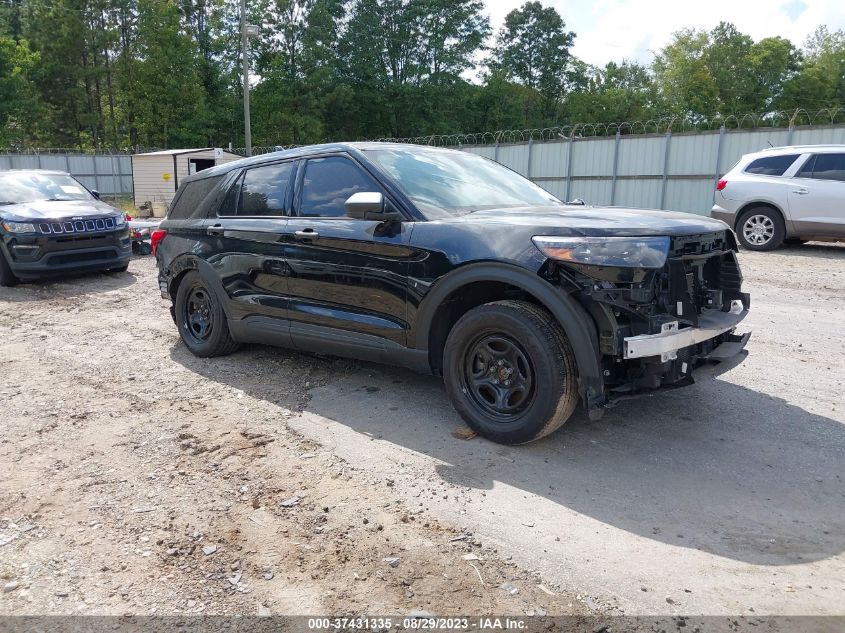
(327, 184)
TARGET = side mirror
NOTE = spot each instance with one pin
(95, 193)
(369, 205)
(364, 205)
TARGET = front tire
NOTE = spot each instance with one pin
(760, 229)
(201, 320)
(7, 277)
(510, 372)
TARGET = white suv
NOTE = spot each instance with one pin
(784, 194)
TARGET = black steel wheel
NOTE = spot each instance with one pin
(201, 319)
(498, 374)
(510, 372)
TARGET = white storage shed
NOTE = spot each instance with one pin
(156, 175)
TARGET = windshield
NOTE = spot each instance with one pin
(446, 183)
(32, 187)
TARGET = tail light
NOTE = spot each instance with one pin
(721, 185)
(156, 237)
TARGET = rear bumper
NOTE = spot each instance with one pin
(671, 339)
(723, 214)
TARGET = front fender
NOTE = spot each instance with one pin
(573, 318)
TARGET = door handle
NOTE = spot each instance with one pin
(306, 234)
(801, 191)
(216, 229)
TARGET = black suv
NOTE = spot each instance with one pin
(449, 263)
(51, 224)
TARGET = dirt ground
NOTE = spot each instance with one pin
(140, 479)
(136, 480)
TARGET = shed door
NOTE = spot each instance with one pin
(198, 164)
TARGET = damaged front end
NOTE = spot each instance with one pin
(658, 320)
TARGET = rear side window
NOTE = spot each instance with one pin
(771, 165)
(264, 190)
(829, 167)
(191, 201)
(327, 185)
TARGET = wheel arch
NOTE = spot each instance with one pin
(764, 204)
(434, 321)
(186, 263)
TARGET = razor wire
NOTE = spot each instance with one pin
(800, 117)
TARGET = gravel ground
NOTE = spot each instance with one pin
(140, 479)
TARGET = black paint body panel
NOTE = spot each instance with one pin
(371, 290)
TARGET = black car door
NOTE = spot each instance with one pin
(347, 277)
(247, 237)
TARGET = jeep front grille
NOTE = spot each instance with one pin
(76, 226)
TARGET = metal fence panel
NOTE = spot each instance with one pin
(641, 156)
(689, 194)
(555, 187)
(593, 157)
(693, 154)
(650, 171)
(666, 170)
(739, 142)
(819, 135)
(591, 191)
(515, 157)
(51, 161)
(487, 151)
(549, 160)
(643, 193)
(111, 175)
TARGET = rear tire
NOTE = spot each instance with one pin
(201, 320)
(510, 372)
(7, 277)
(760, 229)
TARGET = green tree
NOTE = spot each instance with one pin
(167, 87)
(532, 48)
(19, 107)
(820, 80)
(683, 77)
(613, 94)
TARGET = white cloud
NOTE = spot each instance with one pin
(610, 30)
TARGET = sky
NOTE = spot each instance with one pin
(612, 30)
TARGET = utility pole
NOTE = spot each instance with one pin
(245, 54)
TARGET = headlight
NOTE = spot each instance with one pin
(19, 227)
(120, 220)
(620, 252)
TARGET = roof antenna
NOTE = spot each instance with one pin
(770, 144)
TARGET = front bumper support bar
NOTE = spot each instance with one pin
(672, 338)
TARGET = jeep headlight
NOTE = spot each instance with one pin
(120, 220)
(19, 227)
(619, 252)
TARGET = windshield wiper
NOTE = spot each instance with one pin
(7, 202)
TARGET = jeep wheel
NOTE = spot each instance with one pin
(7, 277)
(201, 319)
(510, 372)
(760, 229)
